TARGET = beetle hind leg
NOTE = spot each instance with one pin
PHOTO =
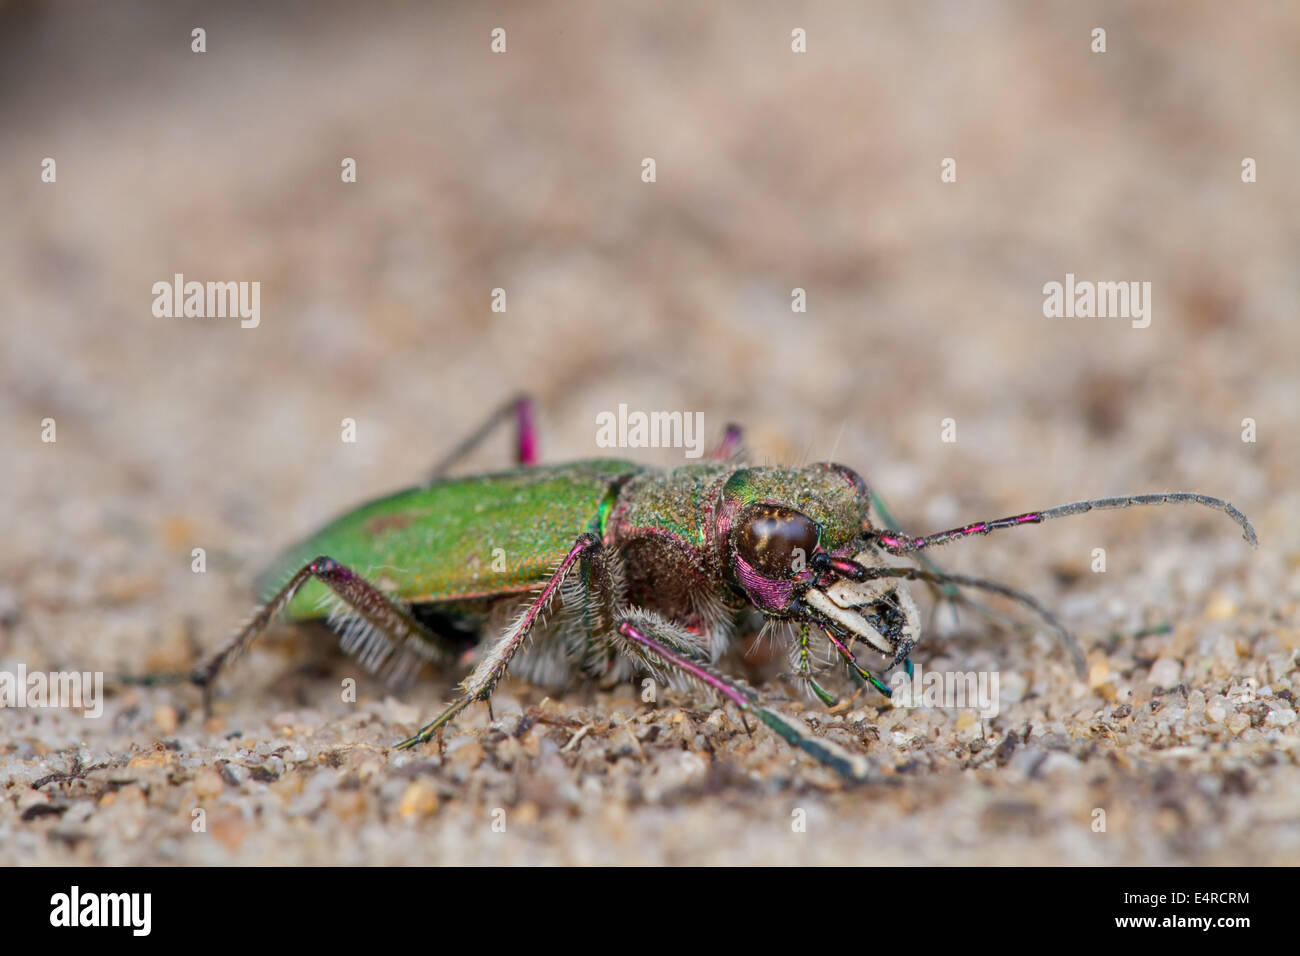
(382, 632)
(520, 408)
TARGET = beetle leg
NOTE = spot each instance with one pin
(856, 670)
(802, 654)
(391, 620)
(745, 699)
(587, 551)
(730, 446)
(521, 408)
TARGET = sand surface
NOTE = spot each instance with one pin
(774, 171)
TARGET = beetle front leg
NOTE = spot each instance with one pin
(746, 700)
(377, 610)
(587, 552)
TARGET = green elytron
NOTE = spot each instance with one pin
(613, 570)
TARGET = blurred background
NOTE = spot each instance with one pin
(522, 170)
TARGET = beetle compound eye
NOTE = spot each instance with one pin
(774, 540)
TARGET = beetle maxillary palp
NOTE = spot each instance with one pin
(848, 568)
(824, 563)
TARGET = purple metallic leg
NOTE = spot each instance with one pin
(824, 751)
(387, 635)
(521, 409)
(587, 551)
(730, 446)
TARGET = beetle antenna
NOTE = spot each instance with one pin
(896, 542)
(962, 580)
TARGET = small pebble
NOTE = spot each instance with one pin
(1166, 672)
(419, 800)
(208, 784)
(166, 719)
(1220, 608)
(1280, 717)
(465, 753)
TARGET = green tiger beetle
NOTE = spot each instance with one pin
(614, 570)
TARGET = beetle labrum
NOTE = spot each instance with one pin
(611, 569)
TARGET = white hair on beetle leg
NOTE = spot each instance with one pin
(775, 633)
(717, 621)
(395, 661)
(638, 658)
(532, 616)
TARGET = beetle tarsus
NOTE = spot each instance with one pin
(426, 732)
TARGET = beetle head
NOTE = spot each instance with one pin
(794, 544)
